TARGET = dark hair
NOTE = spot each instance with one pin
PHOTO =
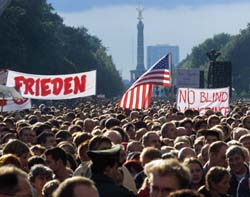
(63, 135)
(57, 153)
(79, 138)
(35, 160)
(16, 147)
(72, 161)
(42, 138)
(40, 170)
(215, 175)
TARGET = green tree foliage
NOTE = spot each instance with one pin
(237, 51)
(34, 40)
(198, 57)
(233, 48)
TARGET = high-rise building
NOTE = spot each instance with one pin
(140, 68)
(155, 52)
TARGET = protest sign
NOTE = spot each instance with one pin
(203, 99)
(54, 87)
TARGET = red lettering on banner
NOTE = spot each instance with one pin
(203, 98)
(29, 82)
(187, 96)
(19, 82)
(183, 96)
(57, 85)
(37, 87)
(80, 86)
(67, 85)
(45, 87)
(192, 94)
(214, 97)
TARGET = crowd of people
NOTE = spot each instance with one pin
(96, 149)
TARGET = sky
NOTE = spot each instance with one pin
(186, 23)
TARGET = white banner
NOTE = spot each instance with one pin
(203, 99)
(54, 87)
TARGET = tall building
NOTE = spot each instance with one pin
(140, 68)
(155, 52)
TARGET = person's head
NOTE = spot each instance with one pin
(99, 143)
(134, 146)
(14, 182)
(245, 140)
(160, 172)
(47, 139)
(37, 149)
(129, 128)
(33, 160)
(76, 187)
(204, 153)
(149, 154)
(39, 175)
(186, 152)
(181, 131)
(63, 135)
(89, 125)
(187, 123)
(10, 159)
(114, 136)
(27, 135)
(133, 166)
(218, 180)
(213, 120)
(105, 161)
(134, 115)
(237, 132)
(246, 122)
(112, 122)
(67, 147)
(151, 139)
(19, 149)
(56, 159)
(209, 135)
(196, 170)
(168, 130)
(217, 154)
(236, 158)
(50, 187)
(82, 151)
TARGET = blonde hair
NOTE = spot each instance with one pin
(166, 167)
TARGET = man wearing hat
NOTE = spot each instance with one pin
(105, 172)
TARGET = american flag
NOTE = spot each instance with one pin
(138, 96)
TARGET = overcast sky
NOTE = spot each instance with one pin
(185, 23)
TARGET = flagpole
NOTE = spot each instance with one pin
(171, 79)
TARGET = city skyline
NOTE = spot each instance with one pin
(185, 24)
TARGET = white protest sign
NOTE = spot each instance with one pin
(203, 99)
(54, 86)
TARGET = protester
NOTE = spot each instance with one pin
(105, 172)
(217, 183)
(236, 157)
